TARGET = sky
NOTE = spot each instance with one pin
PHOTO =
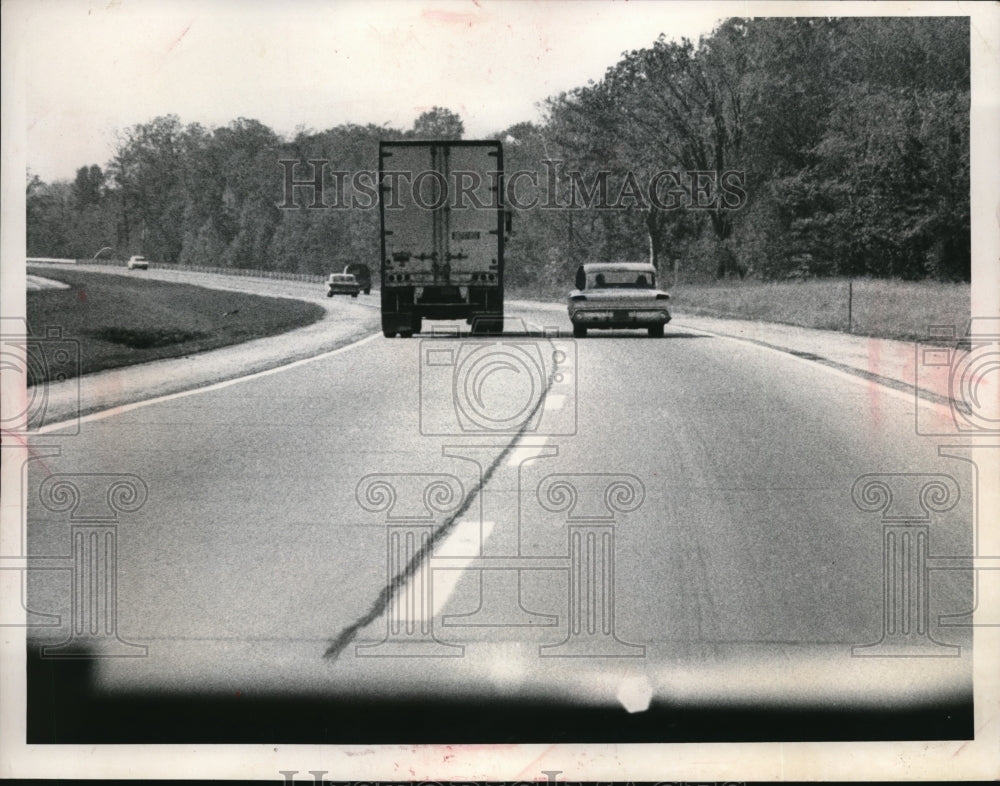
(91, 70)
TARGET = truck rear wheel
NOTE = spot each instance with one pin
(389, 326)
(579, 331)
(417, 323)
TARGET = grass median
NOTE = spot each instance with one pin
(883, 308)
(122, 320)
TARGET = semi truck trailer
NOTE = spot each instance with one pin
(443, 225)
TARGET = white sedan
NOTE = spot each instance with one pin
(617, 295)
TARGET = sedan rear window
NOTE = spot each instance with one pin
(620, 279)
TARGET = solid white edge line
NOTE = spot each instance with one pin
(106, 413)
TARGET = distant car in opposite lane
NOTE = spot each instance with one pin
(617, 295)
(138, 263)
(342, 284)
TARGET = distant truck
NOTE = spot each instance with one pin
(362, 274)
(443, 224)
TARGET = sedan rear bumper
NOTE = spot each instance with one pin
(619, 318)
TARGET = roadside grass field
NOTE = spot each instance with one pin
(883, 308)
(119, 321)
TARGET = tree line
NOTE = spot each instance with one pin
(772, 148)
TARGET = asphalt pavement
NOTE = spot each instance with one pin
(889, 363)
(615, 524)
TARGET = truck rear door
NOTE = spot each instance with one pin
(441, 215)
(473, 221)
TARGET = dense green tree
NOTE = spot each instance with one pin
(849, 138)
(438, 123)
(88, 188)
(669, 107)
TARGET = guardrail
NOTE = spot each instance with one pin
(280, 275)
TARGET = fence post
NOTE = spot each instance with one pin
(850, 304)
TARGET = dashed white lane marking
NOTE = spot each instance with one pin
(107, 413)
(523, 453)
(463, 545)
(554, 401)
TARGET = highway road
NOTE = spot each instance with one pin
(618, 527)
